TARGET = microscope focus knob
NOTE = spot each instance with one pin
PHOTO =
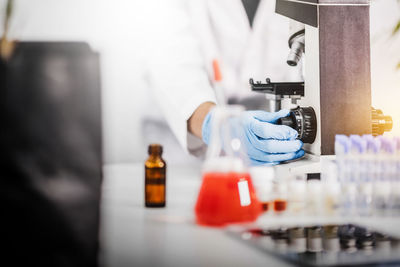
(304, 121)
(380, 122)
(309, 125)
(288, 121)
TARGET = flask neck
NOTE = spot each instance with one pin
(225, 151)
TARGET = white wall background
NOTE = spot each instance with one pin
(117, 28)
(385, 54)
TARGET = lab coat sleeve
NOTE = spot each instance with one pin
(176, 68)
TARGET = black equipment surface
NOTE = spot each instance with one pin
(327, 245)
(50, 155)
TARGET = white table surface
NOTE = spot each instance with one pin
(132, 235)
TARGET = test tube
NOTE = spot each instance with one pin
(396, 187)
(362, 173)
(314, 198)
(389, 147)
(331, 240)
(382, 194)
(354, 166)
(262, 177)
(363, 177)
(281, 197)
(314, 239)
(390, 169)
(297, 195)
(373, 148)
(373, 167)
(298, 240)
(330, 187)
(342, 148)
(358, 150)
(342, 145)
(281, 240)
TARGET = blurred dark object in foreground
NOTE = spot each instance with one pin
(50, 155)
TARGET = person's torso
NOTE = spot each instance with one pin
(244, 52)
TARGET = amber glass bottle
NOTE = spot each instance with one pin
(155, 170)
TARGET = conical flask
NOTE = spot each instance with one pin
(227, 194)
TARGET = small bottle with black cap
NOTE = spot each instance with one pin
(155, 177)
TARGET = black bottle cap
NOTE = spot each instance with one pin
(155, 149)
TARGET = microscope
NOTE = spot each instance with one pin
(332, 37)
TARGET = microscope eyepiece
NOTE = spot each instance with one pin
(296, 52)
(297, 48)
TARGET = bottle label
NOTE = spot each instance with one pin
(244, 193)
(155, 176)
(155, 187)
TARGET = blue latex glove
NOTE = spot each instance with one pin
(265, 141)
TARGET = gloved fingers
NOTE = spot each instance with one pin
(266, 157)
(254, 162)
(270, 116)
(267, 130)
(276, 146)
(299, 154)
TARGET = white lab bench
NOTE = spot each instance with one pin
(132, 235)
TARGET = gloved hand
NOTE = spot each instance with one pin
(265, 141)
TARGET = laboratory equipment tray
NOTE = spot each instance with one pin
(323, 245)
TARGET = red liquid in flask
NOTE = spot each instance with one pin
(226, 198)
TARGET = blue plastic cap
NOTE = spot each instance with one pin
(373, 144)
(358, 144)
(377, 145)
(343, 143)
(368, 137)
(388, 145)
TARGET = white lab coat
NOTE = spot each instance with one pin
(192, 34)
